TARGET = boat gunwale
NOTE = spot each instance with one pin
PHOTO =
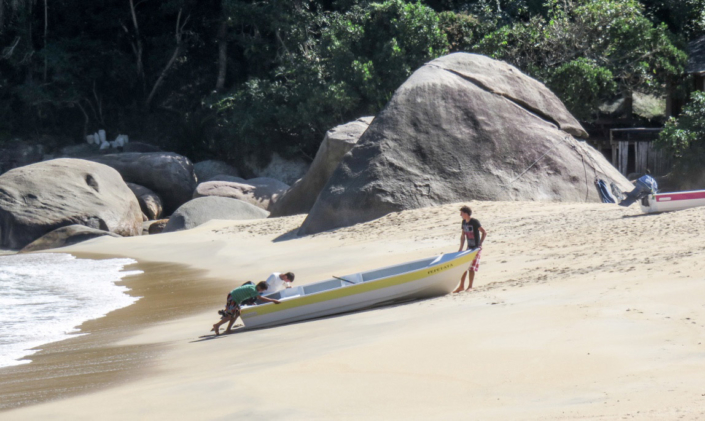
(253, 309)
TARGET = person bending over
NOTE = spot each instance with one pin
(475, 235)
(235, 299)
(278, 281)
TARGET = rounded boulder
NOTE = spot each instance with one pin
(149, 202)
(262, 192)
(169, 175)
(39, 198)
(203, 209)
(65, 236)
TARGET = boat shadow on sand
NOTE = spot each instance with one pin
(239, 329)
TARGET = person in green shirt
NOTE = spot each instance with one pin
(235, 299)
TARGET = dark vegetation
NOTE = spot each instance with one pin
(235, 78)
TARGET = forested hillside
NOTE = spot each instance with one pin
(231, 78)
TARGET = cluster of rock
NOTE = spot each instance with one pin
(462, 127)
(63, 201)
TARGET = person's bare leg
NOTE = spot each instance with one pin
(232, 320)
(470, 279)
(462, 283)
(216, 327)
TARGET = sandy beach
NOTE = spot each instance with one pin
(579, 311)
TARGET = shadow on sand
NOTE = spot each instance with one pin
(244, 329)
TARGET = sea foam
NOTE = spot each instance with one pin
(45, 297)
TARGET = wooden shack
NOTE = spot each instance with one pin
(633, 151)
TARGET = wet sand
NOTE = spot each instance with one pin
(579, 311)
(93, 359)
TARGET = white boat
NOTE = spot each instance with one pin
(666, 202)
(424, 278)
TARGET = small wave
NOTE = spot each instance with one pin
(45, 297)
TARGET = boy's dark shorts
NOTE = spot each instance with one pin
(231, 309)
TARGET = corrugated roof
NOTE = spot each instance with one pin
(696, 52)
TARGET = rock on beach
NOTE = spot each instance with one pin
(65, 236)
(338, 141)
(462, 127)
(203, 209)
(39, 198)
(261, 192)
(169, 175)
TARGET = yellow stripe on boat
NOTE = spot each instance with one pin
(360, 288)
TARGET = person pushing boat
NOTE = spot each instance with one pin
(278, 281)
(475, 235)
(235, 299)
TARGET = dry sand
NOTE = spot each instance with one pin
(580, 311)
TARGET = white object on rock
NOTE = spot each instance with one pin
(125, 139)
(101, 133)
(89, 139)
(104, 145)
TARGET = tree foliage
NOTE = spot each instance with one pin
(231, 78)
(349, 68)
(594, 41)
(683, 138)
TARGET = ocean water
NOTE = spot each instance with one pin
(45, 297)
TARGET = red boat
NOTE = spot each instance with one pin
(666, 202)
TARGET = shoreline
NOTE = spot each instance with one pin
(578, 311)
(94, 354)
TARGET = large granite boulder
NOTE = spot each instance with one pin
(169, 175)
(201, 210)
(337, 142)
(42, 197)
(462, 127)
(206, 170)
(65, 236)
(150, 203)
(262, 192)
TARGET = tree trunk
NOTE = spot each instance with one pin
(177, 50)
(222, 55)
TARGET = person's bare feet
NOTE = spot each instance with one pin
(216, 329)
(460, 289)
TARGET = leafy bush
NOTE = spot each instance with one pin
(683, 138)
(582, 85)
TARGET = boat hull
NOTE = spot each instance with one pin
(667, 202)
(430, 281)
